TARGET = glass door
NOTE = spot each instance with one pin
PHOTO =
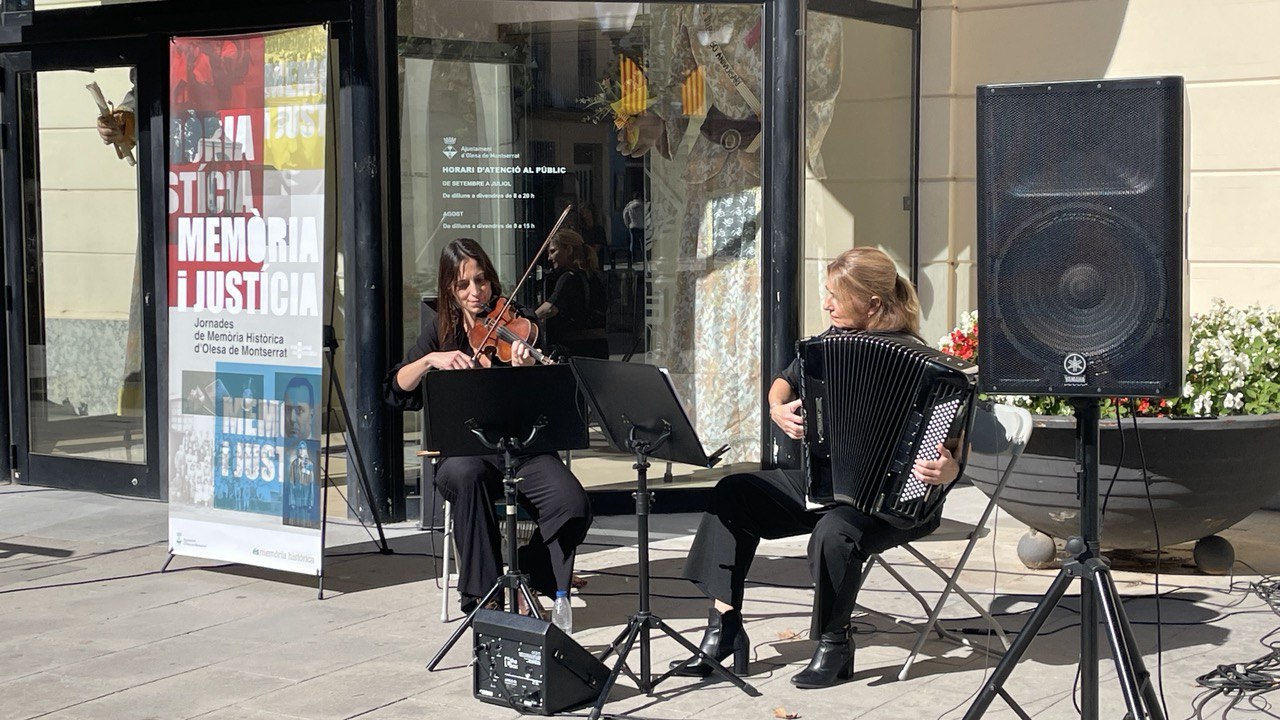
(82, 345)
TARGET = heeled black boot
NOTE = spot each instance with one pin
(831, 663)
(725, 636)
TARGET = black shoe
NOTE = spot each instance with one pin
(468, 603)
(831, 663)
(725, 636)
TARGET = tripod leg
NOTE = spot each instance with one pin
(357, 462)
(1088, 649)
(633, 630)
(716, 668)
(617, 642)
(1026, 635)
(1119, 653)
(453, 639)
(1134, 678)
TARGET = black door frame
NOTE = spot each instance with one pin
(19, 220)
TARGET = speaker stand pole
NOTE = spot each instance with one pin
(1097, 593)
(642, 622)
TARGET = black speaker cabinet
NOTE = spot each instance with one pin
(531, 666)
(1082, 272)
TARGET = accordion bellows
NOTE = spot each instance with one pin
(873, 404)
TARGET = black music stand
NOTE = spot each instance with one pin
(1097, 592)
(639, 412)
(509, 411)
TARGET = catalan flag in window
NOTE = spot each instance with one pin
(693, 93)
(633, 90)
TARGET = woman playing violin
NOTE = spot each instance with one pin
(551, 495)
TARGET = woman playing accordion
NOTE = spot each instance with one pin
(863, 292)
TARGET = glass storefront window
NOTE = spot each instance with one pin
(84, 338)
(644, 117)
(863, 194)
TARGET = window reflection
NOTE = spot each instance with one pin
(647, 119)
(861, 195)
(84, 339)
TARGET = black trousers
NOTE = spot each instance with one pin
(770, 504)
(636, 247)
(552, 496)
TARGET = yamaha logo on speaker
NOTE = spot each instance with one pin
(1075, 365)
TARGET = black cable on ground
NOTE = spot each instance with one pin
(1251, 681)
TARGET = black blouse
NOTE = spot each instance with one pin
(429, 342)
(792, 372)
(569, 296)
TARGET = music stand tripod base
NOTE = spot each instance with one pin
(638, 410)
(512, 411)
(513, 581)
(1097, 593)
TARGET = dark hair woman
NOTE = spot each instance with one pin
(548, 491)
(589, 228)
(863, 292)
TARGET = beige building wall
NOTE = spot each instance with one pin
(862, 197)
(1224, 48)
(88, 200)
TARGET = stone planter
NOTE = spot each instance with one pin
(1206, 475)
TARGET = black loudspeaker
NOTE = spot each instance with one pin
(1082, 273)
(531, 666)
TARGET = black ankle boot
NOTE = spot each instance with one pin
(831, 663)
(724, 636)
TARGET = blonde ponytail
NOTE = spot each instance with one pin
(864, 273)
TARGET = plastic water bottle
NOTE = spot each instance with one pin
(561, 613)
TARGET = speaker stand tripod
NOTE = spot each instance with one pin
(514, 582)
(1097, 592)
(644, 620)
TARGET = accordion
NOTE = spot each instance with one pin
(873, 405)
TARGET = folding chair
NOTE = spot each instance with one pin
(1000, 434)
(427, 503)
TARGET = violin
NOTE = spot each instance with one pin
(500, 329)
(497, 330)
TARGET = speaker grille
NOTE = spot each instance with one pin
(1079, 140)
(1080, 237)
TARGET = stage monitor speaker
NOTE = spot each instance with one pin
(1082, 275)
(531, 666)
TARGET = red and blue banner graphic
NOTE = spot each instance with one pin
(247, 185)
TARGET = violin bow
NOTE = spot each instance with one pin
(527, 271)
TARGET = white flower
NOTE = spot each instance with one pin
(1203, 405)
(1187, 390)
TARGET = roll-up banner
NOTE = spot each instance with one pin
(247, 187)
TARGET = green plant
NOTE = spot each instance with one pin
(1233, 368)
